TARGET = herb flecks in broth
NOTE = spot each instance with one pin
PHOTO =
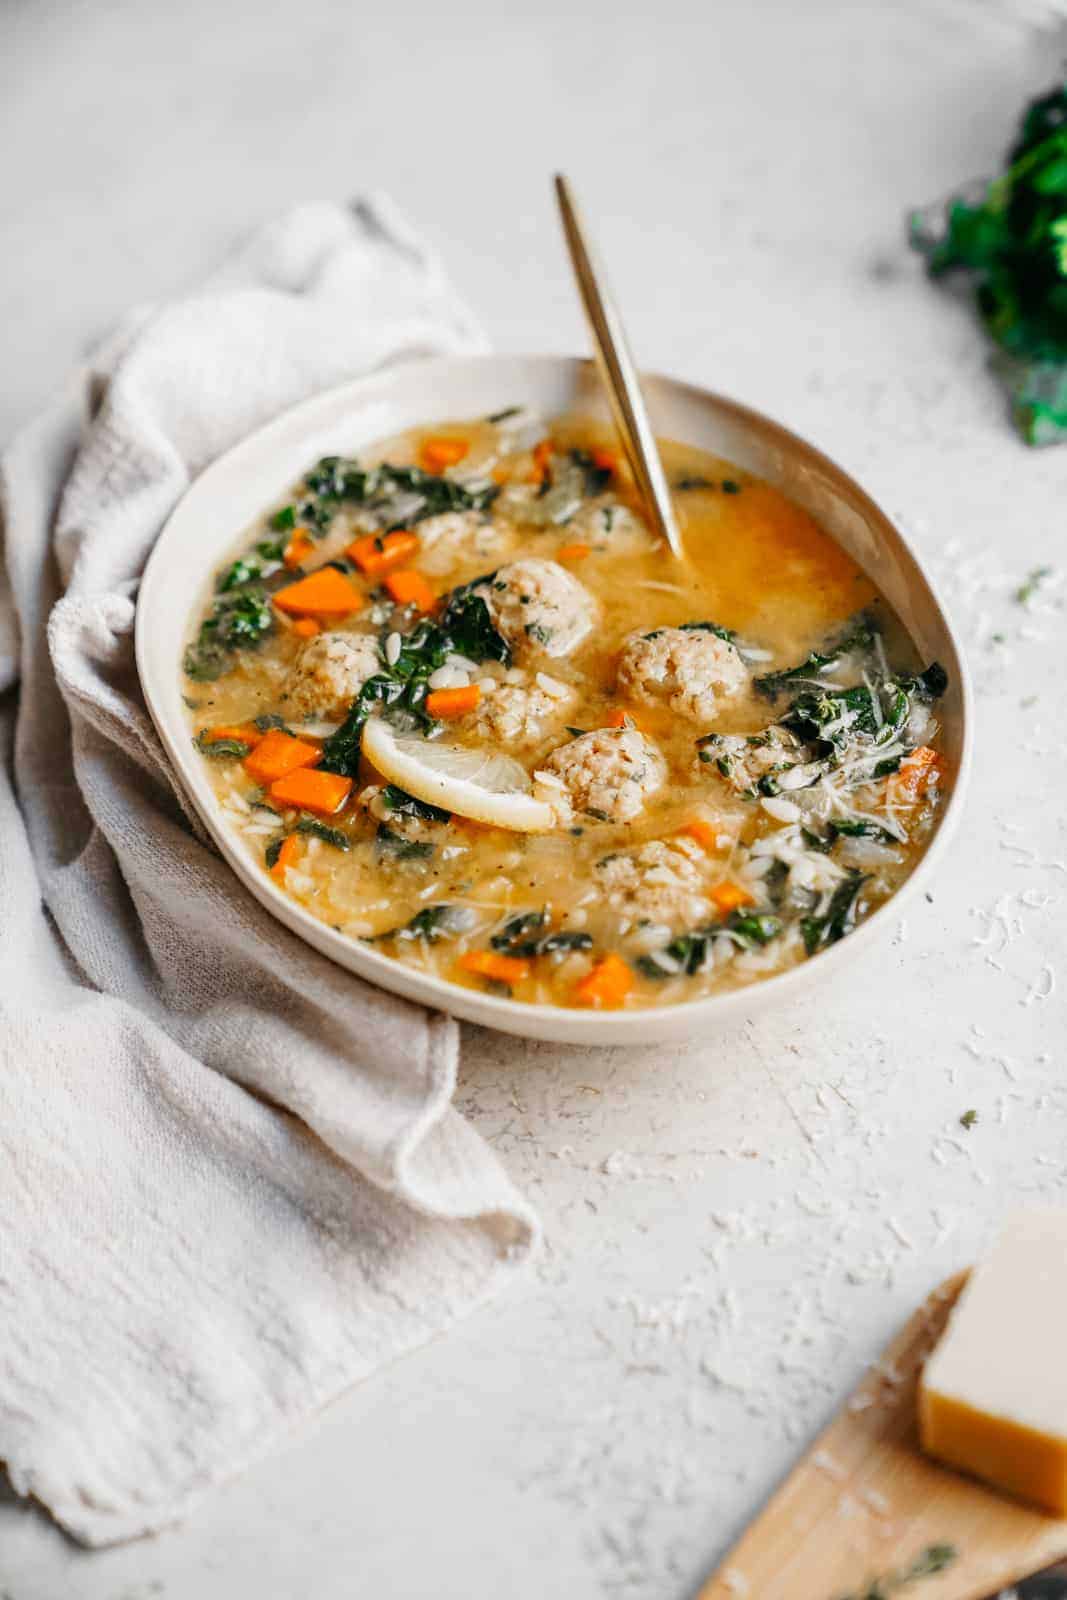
(741, 763)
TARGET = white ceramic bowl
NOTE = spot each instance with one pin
(237, 488)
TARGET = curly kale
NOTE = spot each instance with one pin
(1010, 237)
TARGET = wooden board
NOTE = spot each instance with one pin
(864, 1504)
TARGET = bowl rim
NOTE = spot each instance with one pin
(560, 1023)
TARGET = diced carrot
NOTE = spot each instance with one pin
(917, 773)
(573, 552)
(323, 593)
(299, 547)
(243, 732)
(453, 702)
(542, 460)
(622, 719)
(704, 832)
(286, 857)
(306, 627)
(437, 454)
(278, 753)
(606, 460)
(606, 985)
(324, 793)
(501, 474)
(487, 964)
(409, 588)
(376, 552)
(728, 897)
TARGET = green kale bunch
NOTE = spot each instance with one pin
(1010, 235)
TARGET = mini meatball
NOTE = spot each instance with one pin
(661, 883)
(517, 714)
(539, 608)
(461, 536)
(692, 669)
(328, 674)
(607, 774)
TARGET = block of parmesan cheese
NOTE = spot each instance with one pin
(993, 1396)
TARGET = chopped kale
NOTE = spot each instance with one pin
(502, 416)
(236, 576)
(968, 1120)
(688, 952)
(319, 830)
(705, 627)
(467, 621)
(388, 842)
(730, 487)
(273, 851)
(238, 619)
(283, 520)
(839, 917)
(690, 481)
(596, 479)
(1034, 579)
(518, 928)
(271, 549)
(398, 800)
(336, 481)
(515, 936)
(268, 720)
(535, 630)
(434, 922)
(857, 828)
(221, 749)
(859, 638)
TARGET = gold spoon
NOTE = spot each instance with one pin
(616, 367)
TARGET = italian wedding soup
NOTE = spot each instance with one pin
(457, 701)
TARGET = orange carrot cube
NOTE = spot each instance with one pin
(324, 593)
(437, 454)
(488, 964)
(409, 588)
(453, 702)
(278, 753)
(375, 552)
(323, 793)
(605, 987)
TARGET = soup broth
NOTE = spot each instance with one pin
(457, 700)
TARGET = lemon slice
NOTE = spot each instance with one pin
(479, 784)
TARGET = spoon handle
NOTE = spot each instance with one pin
(616, 367)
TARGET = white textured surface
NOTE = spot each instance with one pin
(735, 1227)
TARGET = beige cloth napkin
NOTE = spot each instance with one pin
(231, 1182)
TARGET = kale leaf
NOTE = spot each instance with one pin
(398, 800)
(239, 618)
(839, 917)
(687, 953)
(434, 922)
(514, 936)
(221, 749)
(858, 638)
(336, 481)
(319, 830)
(388, 842)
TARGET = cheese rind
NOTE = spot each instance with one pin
(993, 1396)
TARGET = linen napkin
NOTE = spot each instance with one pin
(231, 1182)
